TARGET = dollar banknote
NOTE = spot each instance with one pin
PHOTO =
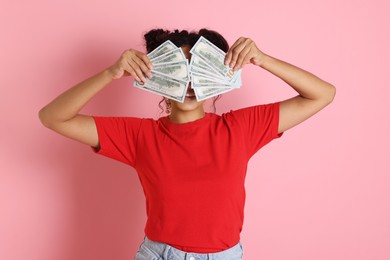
(164, 85)
(172, 73)
(198, 65)
(167, 46)
(176, 69)
(202, 81)
(171, 56)
(206, 93)
(214, 56)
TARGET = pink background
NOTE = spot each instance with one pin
(320, 192)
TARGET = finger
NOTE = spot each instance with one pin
(126, 73)
(241, 57)
(130, 66)
(229, 53)
(128, 69)
(132, 72)
(145, 70)
(235, 52)
(248, 58)
(137, 70)
(146, 60)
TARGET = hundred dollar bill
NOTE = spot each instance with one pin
(205, 93)
(199, 66)
(174, 55)
(166, 86)
(205, 80)
(163, 48)
(177, 69)
(215, 57)
(200, 69)
(204, 83)
(237, 82)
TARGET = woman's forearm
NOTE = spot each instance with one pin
(62, 114)
(67, 105)
(305, 83)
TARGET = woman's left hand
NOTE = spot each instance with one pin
(242, 52)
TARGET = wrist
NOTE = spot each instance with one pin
(263, 60)
(108, 74)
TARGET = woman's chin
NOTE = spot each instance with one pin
(189, 104)
(190, 99)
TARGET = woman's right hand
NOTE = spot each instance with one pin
(132, 63)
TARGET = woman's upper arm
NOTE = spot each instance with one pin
(81, 128)
(295, 110)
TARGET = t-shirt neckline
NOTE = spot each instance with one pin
(184, 126)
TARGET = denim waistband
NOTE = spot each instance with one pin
(150, 249)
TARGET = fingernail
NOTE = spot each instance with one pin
(232, 64)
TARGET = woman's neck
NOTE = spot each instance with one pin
(181, 117)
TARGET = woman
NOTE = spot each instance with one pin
(191, 164)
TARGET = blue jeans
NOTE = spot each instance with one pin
(151, 250)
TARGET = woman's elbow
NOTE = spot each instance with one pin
(330, 94)
(44, 118)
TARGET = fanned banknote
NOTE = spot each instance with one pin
(172, 73)
(162, 49)
(209, 74)
(164, 85)
(214, 58)
(176, 69)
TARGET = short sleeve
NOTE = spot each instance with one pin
(118, 137)
(259, 125)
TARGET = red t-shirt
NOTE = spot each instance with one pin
(192, 174)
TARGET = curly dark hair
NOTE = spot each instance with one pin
(156, 37)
